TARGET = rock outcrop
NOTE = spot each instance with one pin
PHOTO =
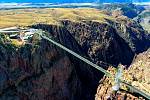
(42, 71)
(137, 75)
(113, 42)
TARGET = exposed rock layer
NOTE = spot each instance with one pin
(139, 78)
(111, 42)
(44, 71)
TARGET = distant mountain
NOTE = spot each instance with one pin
(70, 1)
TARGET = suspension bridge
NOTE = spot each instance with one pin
(108, 74)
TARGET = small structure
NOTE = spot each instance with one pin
(19, 35)
(25, 36)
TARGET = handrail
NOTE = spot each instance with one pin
(135, 89)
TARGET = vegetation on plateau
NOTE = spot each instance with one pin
(26, 17)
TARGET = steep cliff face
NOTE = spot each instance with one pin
(43, 71)
(144, 19)
(137, 75)
(133, 34)
(113, 42)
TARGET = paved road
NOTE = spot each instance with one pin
(11, 30)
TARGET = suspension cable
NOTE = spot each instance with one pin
(78, 56)
(88, 62)
(94, 65)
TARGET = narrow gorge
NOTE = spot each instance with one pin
(40, 70)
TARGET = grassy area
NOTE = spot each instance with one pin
(25, 17)
(146, 27)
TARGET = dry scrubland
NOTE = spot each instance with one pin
(25, 17)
